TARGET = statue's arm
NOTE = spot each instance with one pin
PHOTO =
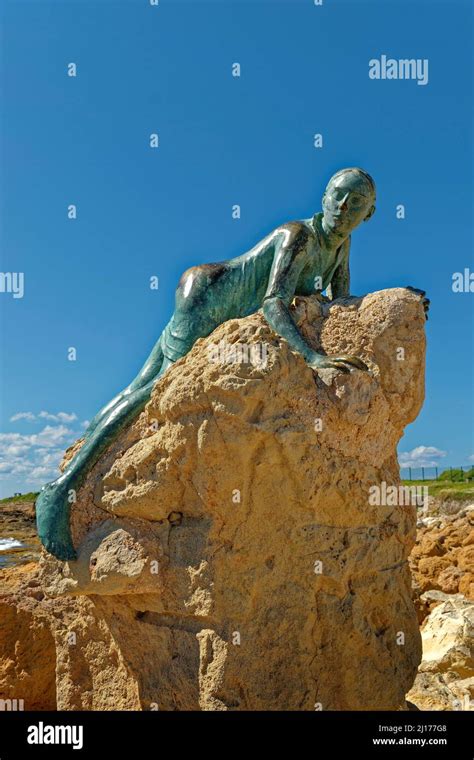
(340, 284)
(291, 253)
(289, 259)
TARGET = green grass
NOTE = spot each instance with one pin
(24, 497)
(444, 489)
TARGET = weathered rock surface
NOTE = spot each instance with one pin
(443, 558)
(229, 555)
(446, 675)
(61, 653)
(445, 679)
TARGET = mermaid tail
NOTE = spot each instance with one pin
(52, 519)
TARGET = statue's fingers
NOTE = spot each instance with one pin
(352, 360)
(418, 291)
(340, 366)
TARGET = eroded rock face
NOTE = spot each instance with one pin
(443, 558)
(60, 653)
(230, 544)
(446, 675)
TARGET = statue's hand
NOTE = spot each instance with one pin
(422, 293)
(344, 363)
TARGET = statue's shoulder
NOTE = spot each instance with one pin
(298, 232)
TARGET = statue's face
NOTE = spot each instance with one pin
(348, 200)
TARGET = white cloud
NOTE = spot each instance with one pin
(421, 456)
(43, 473)
(51, 436)
(471, 458)
(59, 417)
(30, 460)
(34, 458)
(30, 417)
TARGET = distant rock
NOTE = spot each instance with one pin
(445, 680)
(443, 558)
(18, 538)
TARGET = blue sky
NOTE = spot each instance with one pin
(222, 141)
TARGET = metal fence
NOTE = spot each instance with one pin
(452, 474)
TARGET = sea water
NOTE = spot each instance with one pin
(6, 545)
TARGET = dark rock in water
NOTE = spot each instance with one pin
(19, 541)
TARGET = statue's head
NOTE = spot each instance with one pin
(348, 200)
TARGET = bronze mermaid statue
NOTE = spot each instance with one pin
(298, 258)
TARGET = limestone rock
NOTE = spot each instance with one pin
(427, 601)
(282, 584)
(448, 636)
(61, 654)
(71, 452)
(443, 557)
(446, 675)
(116, 557)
